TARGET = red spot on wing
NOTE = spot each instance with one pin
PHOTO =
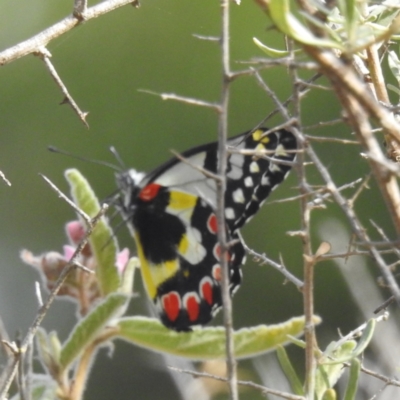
(216, 272)
(206, 290)
(217, 253)
(149, 192)
(212, 224)
(171, 303)
(191, 302)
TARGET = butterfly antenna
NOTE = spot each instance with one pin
(99, 162)
(118, 158)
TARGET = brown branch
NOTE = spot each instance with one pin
(253, 385)
(221, 188)
(11, 369)
(35, 43)
(45, 55)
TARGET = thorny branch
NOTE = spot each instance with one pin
(37, 44)
(221, 187)
(42, 39)
(20, 351)
(360, 104)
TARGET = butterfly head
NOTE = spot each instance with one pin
(128, 183)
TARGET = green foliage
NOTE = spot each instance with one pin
(89, 328)
(102, 241)
(209, 342)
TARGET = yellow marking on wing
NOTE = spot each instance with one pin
(183, 245)
(154, 275)
(258, 136)
(181, 200)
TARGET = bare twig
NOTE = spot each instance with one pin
(80, 7)
(2, 176)
(221, 188)
(183, 99)
(42, 39)
(85, 217)
(45, 56)
(253, 385)
(265, 260)
(38, 294)
(11, 369)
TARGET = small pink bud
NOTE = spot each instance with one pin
(75, 231)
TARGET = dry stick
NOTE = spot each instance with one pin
(285, 61)
(265, 260)
(379, 86)
(253, 385)
(309, 261)
(356, 225)
(183, 99)
(332, 140)
(318, 194)
(45, 56)
(3, 177)
(40, 40)
(70, 266)
(303, 90)
(388, 381)
(356, 98)
(391, 299)
(221, 188)
(346, 82)
(79, 8)
(305, 235)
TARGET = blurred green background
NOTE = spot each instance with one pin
(104, 64)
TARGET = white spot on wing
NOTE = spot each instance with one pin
(238, 196)
(195, 252)
(248, 181)
(254, 168)
(265, 181)
(229, 213)
(281, 151)
(274, 167)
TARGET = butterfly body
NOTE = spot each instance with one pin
(171, 213)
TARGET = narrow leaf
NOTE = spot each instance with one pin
(208, 343)
(91, 326)
(269, 51)
(328, 374)
(329, 394)
(288, 24)
(104, 249)
(351, 389)
(289, 371)
(361, 345)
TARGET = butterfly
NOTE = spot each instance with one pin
(171, 213)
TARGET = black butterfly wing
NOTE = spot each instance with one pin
(172, 211)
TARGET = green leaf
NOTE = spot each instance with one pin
(329, 394)
(350, 12)
(332, 358)
(328, 374)
(289, 371)
(49, 347)
(43, 388)
(208, 343)
(288, 24)
(351, 389)
(104, 250)
(394, 65)
(128, 275)
(269, 51)
(91, 326)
